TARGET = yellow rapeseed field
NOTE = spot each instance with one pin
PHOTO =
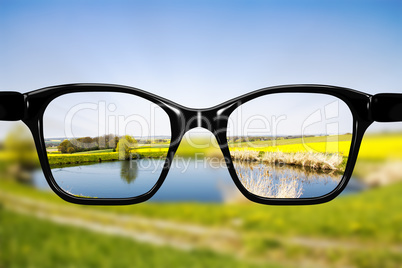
(373, 147)
(341, 147)
(380, 147)
(150, 149)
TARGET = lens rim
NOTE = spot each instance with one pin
(358, 103)
(77, 98)
(182, 120)
(288, 93)
(39, 100)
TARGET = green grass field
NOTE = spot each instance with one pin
(29, 242)
(363, 216)
(59, 159)
(370, 223)
(97, 156)
(96, 151)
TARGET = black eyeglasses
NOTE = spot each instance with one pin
(105, 144)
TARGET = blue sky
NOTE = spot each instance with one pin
(201, 53)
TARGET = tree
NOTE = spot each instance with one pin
(124, 146)
(64, 145)
(70, 150)
(113, 143)
(85, 144)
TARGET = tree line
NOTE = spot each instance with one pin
(90, 144)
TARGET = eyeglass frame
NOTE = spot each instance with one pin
(365, 108)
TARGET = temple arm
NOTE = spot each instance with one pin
(12, 106)
(386, 107)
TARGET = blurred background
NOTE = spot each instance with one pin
(199, 54)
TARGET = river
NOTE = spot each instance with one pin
(188, 180)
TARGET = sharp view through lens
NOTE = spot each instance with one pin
(291, 167)
(282, 167)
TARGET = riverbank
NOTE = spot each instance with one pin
(315, 161)
(93, 157)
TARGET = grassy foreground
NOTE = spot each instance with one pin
(365, 229)
(373, 214)
(30, 242)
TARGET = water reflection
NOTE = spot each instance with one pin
(115, 179)
(129, 171)
(286, 181)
